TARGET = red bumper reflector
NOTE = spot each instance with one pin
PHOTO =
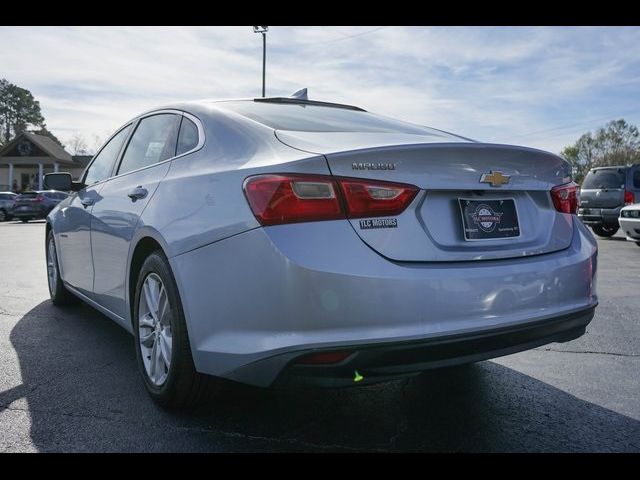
(323, 358)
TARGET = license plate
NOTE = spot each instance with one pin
(489, 219)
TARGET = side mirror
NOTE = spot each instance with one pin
(61, 181)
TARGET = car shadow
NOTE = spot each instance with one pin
(81, 388)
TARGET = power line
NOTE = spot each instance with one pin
(339, 39)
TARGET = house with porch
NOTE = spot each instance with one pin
(25, 160)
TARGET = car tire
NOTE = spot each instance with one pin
(24, 220)
(58, 292)
(638, 243)
(3, 215)
(604, 231)
(160, 334)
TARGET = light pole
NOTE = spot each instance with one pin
(263, 30)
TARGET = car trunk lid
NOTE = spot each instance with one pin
(448, 175)
(27, 198)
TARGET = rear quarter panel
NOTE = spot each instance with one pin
(201, 200)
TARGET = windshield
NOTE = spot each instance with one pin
(315, 118)
(604, 178)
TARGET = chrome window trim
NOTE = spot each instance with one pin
(193, 118)
(134, 122)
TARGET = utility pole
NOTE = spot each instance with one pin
(263, 30)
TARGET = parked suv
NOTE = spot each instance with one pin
(605, 190)
(6, 204)
(36, 204)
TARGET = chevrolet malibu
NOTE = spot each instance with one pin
(287, 242)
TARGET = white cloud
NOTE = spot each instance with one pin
(488, 83)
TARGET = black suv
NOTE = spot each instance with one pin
(604, 191)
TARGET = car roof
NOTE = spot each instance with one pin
(211, 102)
(43, 191)
(610, 167)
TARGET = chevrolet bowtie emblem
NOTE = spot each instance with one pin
(496, 179)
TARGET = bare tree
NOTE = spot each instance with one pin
(77, 145)
(96, 143)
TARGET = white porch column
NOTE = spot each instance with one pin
(40, 175)
(56, 167)
(10, 176)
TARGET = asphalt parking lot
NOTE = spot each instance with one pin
(69, 382)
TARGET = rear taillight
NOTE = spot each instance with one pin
(366, 198)
(629, 198)
(278, 199)
(566, 198)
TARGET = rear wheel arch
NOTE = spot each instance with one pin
(145, 247)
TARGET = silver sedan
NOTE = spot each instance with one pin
(288, 242)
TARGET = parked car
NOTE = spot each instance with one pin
(630, 222)
(605, 190)
(290, 242)
(6, 204)
(36, 204)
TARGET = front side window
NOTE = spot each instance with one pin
(102, 164)
(153, 141)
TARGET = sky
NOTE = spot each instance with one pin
(536, 86)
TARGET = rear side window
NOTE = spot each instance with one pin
(636, 179)
(188, 137)
(604, 178)
(153, 141)
(102, 164)
(27, 195)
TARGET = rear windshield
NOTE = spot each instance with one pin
(315, 118)
(27, 195)
(604, 178)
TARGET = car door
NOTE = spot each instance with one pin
(73, 220)
(123, 198)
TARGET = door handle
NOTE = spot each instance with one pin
(86, 202)
(137, 193)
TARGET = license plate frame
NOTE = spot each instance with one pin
(501, 215)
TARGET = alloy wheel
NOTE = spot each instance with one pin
(52, 266)
(154, 329)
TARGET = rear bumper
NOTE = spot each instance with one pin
(30, 213)
(599, 216)
(379, 362)
(256, 301)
